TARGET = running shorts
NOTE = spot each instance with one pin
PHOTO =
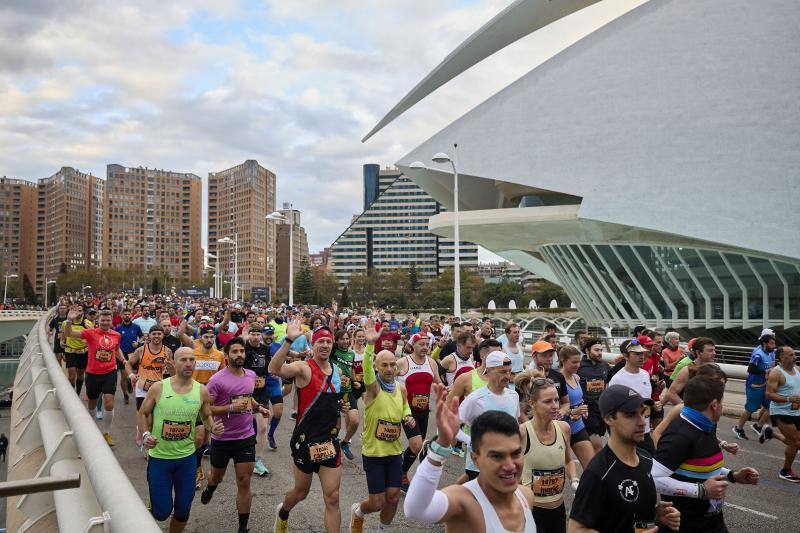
(595, 425)
(580, 436)
(421, 426)
(240, 450)
(756, 398)
(383, 472)
(76, 360)
(550, 520)
(168, 476)
(97, 384)
(121, 366)
(301, 454)
(786, 419)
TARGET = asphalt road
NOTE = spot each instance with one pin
(770, 506)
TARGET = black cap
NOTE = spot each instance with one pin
(621, 398)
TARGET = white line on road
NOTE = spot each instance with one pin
(780, 458)
(748, 510)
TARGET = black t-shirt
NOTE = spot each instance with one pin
(256, 358)
(693, 456)
(561, 383)
(172, 342)
(612, 495)
(55, 325)
(595, 379)
(448, 348)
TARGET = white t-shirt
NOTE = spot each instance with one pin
(640, 383)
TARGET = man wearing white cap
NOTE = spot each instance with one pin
(761, 362)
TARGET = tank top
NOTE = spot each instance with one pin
(318, 406)
(151, 367)
(418, 379)
(517, 358)
(74, 345)
(206, 364)
(462, 365)
(790, 388)
(544, 469)
(575, 399)
(382, 425)
(490, 403)
(477, 383)
(358, 365)
(491, 521)
(174, 418)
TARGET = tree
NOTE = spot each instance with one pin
(544, 291)
(344, 299)
(397, 289)
(155, 286)
(366, 287)
(326, 284)
(414, 283)
(304, 284)
(28, 291)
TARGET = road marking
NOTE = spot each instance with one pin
(748, 510)
(780, 458)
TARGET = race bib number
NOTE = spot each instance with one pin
(175, 430)
(207, 365)
(420, 401)
(387, 431)
(104, 356)
(261, 382)
(322, 451)
(147, 384)
(595, 386)
(241, 402)
(345, 380)
(548, 482)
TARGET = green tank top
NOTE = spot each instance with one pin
(173, 421)
(686, 361)
(383, 420)
(343, 359)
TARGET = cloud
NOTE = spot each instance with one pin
(199, 86)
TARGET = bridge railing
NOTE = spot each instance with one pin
(53, 434)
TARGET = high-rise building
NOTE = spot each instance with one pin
(321, 259)
(299, 249)
(69, 224)
(372, 183)
(152, 221)
(239, 200)
(18, 200)
(392, 232)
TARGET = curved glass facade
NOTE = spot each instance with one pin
(627, 284)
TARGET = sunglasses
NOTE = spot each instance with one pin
(541, 382)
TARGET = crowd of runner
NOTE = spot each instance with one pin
(210, 377)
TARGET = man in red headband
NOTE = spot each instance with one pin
(314, 443)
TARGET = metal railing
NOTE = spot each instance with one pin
(48, 416)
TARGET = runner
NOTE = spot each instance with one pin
(386, 408)
(494, 501)
(570, 359)
(231, 391)
(315, 447)
(617, 493)
(75, 349)
(543, 353)
(547, 456)
(459, 361)
(145, 321)
(703, 351)
(761, 361)
(101, 369)
(689, 466)
(167, 420)
(594, 373)
(671, 353)
(783, 389)
(343, 357)
(257, 356)
(512, 346)
(153, 360)
(55, 327)
(417, 372)
(130, 334)
(652, 343)
(359, 343)
(633, 377)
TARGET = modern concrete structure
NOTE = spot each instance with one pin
(152, 221)
(393, 232)
(650, 168)
(18, 199)
(69, 224)
(239, 199)
(299, 249)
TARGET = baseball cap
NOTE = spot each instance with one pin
(621, 398)
(237, 306)
(417, 337)
(205, 318)
(635, 346)
(542, 346)
(497, 358)
(645, 341)
(206, 329)
(268, 330)
(766, 332)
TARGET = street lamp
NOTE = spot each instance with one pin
(442, 157)
(46, 284)
(277, 215)
(235, 243)
(5, 291)
(86, 287)
(228, 282)
(217, 288)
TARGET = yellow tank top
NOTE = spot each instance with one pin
(206, 364)
(78, 345)
(544, 466)
(383, 420)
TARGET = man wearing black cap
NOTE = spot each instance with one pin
(616, 491)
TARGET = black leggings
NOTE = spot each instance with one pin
(550, 520)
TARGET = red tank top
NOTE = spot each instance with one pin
(307, 394)
(418, 379)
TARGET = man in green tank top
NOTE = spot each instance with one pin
(385, 409)
(167, 419)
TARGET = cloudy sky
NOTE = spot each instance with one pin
(201, 85)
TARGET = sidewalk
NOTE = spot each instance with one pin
(733, 404)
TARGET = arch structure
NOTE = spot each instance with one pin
(650, 169)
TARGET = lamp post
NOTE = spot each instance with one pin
(235, 242)
(47, 284)
(228, 282)
(217, 288)
(277, 215)
(84, 289)
(441, 157)
(5, 290)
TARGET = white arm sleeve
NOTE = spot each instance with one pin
(669, 486)
(423, 502)
(463, 437)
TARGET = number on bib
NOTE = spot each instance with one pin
(171, 430)
(387, 431)
(419, 401)
(104, 356)
(322, 451)
(548, 482)
(595, 386)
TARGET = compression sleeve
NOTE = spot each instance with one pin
(423, 502)
(406, 408)
(669, 486)
(752, 368)
(369, 370)
(435, 353)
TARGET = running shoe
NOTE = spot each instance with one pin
(206, 495)
(356, 522)
(199, 478)
(346, 450)
(788, 475)
(271, 444)
(458, 449)
(766, 434)
(405, 482)
(260, 469)
(99, 413)
(740, 434)
(127, 400)
(757, 428)
(280, 526)
(294, 415)
(108, 438)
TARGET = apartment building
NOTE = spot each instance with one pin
(18, 200)
(299, 249)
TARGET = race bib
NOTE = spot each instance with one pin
(175, 430)
(207, 365)
(420, 401)
(261, 382)
(147, 384)
(548, 482)
(241, 402)
(104, 356)
(345, 381)
(387, 431)
(322, 451)
(595, 386)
